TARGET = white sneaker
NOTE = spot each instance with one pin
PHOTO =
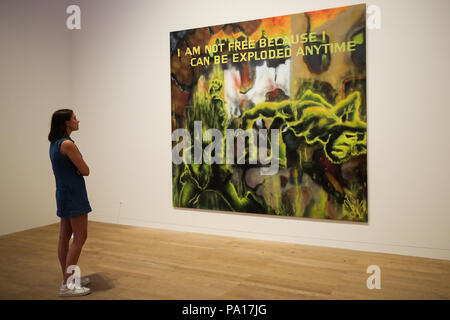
(65, 291)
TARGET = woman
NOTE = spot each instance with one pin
(71, 196)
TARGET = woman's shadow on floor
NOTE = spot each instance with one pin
(100, 281)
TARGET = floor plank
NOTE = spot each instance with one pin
(126, 262)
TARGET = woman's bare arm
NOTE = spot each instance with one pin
(69, 149)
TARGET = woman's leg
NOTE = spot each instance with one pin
(65, 232)
(79, 227)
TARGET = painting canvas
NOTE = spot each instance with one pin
(269, 116)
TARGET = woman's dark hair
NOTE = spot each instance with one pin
(58, 127)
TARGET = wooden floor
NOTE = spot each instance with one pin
(126, 262)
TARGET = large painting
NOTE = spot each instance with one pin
(269, 116)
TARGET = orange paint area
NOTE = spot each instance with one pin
(253, 30)
(321, 16)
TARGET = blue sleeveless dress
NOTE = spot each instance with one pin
(71, 195)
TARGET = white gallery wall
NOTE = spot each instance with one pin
(115, 73)
(35, 73)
